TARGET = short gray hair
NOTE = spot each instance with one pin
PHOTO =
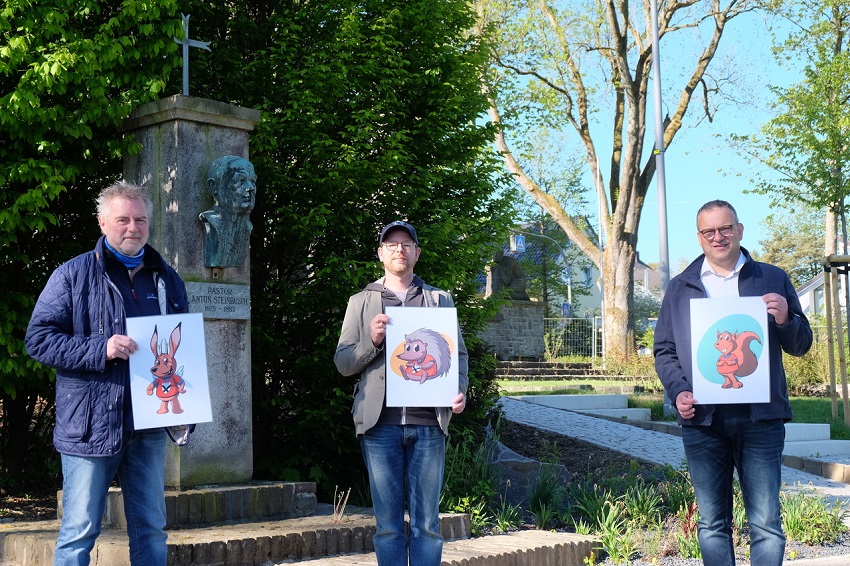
(712, 204)
(122, 189)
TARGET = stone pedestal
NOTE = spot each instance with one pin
(517, 331)
(180, 137)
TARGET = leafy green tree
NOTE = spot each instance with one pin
(70, 72)
(370, 113)
(805, 145)
(585, 67)
(794, 242)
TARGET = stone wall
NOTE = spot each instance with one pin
(517, 331)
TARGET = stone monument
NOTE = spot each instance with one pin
(517, 331)
(505, 275)
(181, 138)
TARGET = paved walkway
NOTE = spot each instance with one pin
(649, 445)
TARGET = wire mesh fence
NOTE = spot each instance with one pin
(572, 337)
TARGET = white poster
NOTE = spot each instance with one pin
(421, 349)
(168, 373)
(729, 345)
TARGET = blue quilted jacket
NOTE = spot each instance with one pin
(76, 314)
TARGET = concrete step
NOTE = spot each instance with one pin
(802, 432)
(521, 548)
(634, 414)
(817, 448)
(245, 543)
(578, 402)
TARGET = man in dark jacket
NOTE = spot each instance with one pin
(745, 437)
(78, 327)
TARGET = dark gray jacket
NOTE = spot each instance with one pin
(673, 336)
(355, 353)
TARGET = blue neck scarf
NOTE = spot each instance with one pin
(130, 262)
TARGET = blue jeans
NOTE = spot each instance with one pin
(141, 470)
(754, 449)
(406, 460)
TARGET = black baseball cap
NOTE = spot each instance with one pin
(401, 225)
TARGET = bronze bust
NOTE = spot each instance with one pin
(227, 225)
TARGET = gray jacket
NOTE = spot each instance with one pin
(356, 353)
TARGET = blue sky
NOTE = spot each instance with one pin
(700, 166)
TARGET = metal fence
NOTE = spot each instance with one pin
(572, 337)
(582, 337)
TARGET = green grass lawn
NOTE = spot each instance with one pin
(805, 410)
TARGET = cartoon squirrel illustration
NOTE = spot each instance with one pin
(167, 382)
(427, 355)
(736, 358)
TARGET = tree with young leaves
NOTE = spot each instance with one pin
(574, 65)
(70, 72)
(551, 264)
(794, 242)
(804, 146)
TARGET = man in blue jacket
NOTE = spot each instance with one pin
(78, 328)
(746, 437)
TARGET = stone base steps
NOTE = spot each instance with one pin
(519, 371)
(518, 388)
(315, 540)
(521, 548)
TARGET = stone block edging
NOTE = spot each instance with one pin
(829, 470)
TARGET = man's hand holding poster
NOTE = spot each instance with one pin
(168, 373)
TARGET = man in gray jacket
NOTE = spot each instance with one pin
(404, 447)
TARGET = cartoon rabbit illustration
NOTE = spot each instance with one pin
(167, 382)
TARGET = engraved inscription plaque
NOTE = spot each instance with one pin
(219, 300)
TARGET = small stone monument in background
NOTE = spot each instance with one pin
(516, 333)
(506, 276)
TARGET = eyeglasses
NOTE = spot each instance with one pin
(711, 233)
(393, 246)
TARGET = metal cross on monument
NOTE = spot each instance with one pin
(187, 43)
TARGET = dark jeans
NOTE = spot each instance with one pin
(406, 462)
(754, 450)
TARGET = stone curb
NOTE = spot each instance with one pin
(520, 548)
(31, 543)
(829, 470)
(310, 540)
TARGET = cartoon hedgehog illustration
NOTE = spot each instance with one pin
(427, 356)
(736, 357)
